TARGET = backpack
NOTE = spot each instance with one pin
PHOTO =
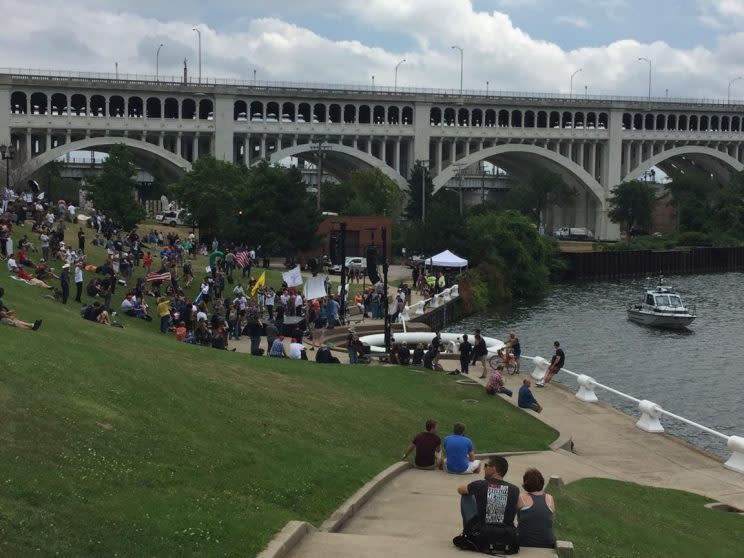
(491, 539)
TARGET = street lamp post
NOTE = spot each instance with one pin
(320, 147)
(424, 163)
(198, 32)
(8, 153)
(486, 88)
(455, 47)
(395, 88)
(116, 64)
(648, 60)
(157, 62)
(570, 87)
(731, 82)
(373, 81)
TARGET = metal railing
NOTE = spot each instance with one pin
(651, 412)
(57, 76)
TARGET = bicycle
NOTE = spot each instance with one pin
(506, 361)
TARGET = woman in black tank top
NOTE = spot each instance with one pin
(536, 520)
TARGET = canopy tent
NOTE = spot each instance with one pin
(446, 259)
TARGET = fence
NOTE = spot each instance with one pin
(651, 413)
(641, 263)
(441, 311)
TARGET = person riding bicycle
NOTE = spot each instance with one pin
(516, 350)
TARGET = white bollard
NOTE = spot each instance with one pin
(455, 291)
(736, 461)
(446, 295)
(541, 366)
(436, 301)
(405, 315)
(586, 389)
(418, 308)
(650, 414)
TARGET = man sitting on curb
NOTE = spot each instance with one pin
(460, 457)
(488, 509)
(427, 446)
(526, 400)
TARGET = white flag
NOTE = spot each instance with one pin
(293, 277)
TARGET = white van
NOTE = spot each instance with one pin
(173, 218)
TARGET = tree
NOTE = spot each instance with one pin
(632, 205)
(336, 197)
(112, 191)
(56, 186)
(443, 228)
(413, 208)
(693, 198)
(276, 211)
(210, 191)
(157, 187)
(544, 190)
(373, 194)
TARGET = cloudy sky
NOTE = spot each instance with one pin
(516, 45)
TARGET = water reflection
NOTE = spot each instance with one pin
(691, 372)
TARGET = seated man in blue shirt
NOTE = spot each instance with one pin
(526, 399)
(460, 457)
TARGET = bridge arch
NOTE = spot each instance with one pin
(578, 172)
(349, 155)
(713, 160)
(175, 164)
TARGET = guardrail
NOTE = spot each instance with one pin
(419, 309)
(57, 76)
(651, 412)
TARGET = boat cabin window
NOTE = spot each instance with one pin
(650, 299)
(675, 301)
(672, 301)
(662, 300)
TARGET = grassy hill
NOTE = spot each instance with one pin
(125, 442)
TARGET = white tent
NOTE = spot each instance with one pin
(446, 259)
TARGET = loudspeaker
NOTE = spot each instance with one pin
(372, 273)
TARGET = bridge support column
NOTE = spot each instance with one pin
(178, 143)
(369, 145)
(453, 151)
(195, 147)
(263, 146)
(246, 150)
(440, 143)
(396, 155)
(29, 146)
(161, 139)
(5, 117)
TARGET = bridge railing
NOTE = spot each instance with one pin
(57, 76)
(651, 412)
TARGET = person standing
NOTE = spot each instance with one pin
(164, 314)
(428, 447)
(78, 281)
(64, 282)
(81, 240)
(479, 352)
(44, 243)
(556, 363)
(465, 349)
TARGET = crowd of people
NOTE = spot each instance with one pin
(489, 507)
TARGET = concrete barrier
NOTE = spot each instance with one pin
(287, 539)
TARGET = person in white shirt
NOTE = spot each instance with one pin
(12, 265)
(298, 305)
(78, 281)
(238, 290)
(295, 350)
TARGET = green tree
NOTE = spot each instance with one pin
(443, 228)
(56, 186)
(336, 197)
(544, 189)
(211, 191)
(112, 191)
(508, 240)
(276, 211)
(415, 194)
(632, 205)
(693, 197)
(374, 193)
(158, 186)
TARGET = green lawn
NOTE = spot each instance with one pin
(125, 442)
(606, 518)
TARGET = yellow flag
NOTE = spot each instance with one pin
(260, 283)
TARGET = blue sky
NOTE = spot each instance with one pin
(516, 45)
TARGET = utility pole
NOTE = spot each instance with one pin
(319, 149)
(424, 163)
(200, 50)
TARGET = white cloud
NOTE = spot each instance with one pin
(574, 21)
(76, 35)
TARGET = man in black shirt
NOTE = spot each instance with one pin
(465, 349)
(488, 509)
(479, 352)
(556, 363)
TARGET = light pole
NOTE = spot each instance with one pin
(731, 82)
(117, 69)
(373, 81)
(648, 60)
(157, 62)
(200, 50)
(8, 153)
(486, 88)
(455, 47)
(320, 147)
(395, 88)
(570, 87)
(424, 163)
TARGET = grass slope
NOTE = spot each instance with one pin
(124, 442)
(607, 518)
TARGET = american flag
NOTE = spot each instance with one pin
(242, 259)
(158, 276)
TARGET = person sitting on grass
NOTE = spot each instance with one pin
(277, 348)
(496, 382)
(418, 355)
(428, 447)
(96, 313)
(7, 316)
(526, 400)
(460, 456)
(324, 356)
(536, 512)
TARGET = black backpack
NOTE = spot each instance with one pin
(490, 539)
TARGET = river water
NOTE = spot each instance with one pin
(695, 373)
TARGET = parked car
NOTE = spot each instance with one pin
(173, 218)
(353, 262)
(573, 233)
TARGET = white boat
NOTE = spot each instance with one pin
(661, 307)
(451, 341)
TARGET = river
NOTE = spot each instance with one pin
(695, 373)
